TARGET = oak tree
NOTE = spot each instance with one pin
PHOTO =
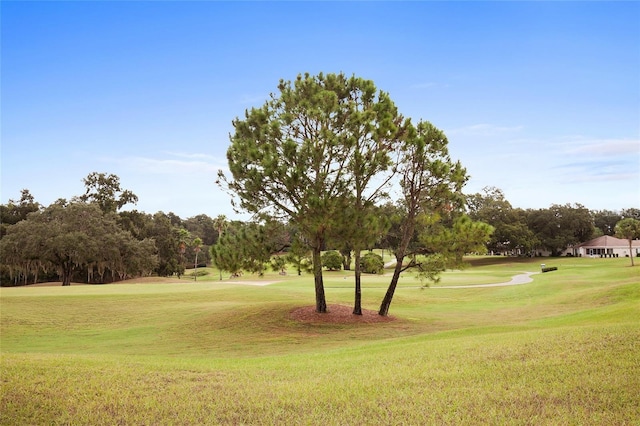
(104, 190)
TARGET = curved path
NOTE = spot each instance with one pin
(523, 278)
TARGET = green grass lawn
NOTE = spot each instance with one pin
(564, 349)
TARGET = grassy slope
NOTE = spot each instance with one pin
(564, 349)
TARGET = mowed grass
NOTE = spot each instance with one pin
(564, 349)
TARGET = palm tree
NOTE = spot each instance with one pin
(628, 229)
(220, 223)
(196, 248)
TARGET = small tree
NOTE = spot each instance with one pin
(225, 254)
(197, 243)
(278, 264)
(332, 260)
(454, 240)
(628, 229)
(371, 263)
(220, 223)
(298, 256)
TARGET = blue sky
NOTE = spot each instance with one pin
(540, 99)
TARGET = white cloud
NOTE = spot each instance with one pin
(428, 85)
(182, 164)
(191, 155)
(604, 147)
(484, 129)
(599, 160)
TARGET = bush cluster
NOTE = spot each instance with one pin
(372, 263)
(332, 260)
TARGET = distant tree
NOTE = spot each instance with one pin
(167, 238)
(227, 254)
(299, 255)
(105, 191)
(489, 206)
(15, 211)
(345, 252)
(175, 220)
(561, 226)
(257, 248)
(632, 212)
(279, 264)
(332, 260)
(371, 263)
(203, 227)
(183, 237)
(75, 238)
(247, 246)
(197, 247)
(453, 242)
(628, 229)
(511, 232)
(516, 235)
(220, 223)
(605, 221)
(138, 223)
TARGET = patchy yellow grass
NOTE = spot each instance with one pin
(564, 349)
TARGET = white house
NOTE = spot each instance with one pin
(605, 246)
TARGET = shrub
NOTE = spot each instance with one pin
(371, 263)
(332, 260)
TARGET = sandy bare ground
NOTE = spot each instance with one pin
(337, 314)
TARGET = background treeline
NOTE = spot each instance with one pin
(90, 239)
(533, 231)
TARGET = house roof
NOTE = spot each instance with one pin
(607, 241)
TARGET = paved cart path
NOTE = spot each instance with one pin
(523, 278)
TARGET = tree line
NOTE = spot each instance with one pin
(90, 239)
(170, 242)
(549, 230)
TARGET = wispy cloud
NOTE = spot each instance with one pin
(191, 155)
(600, 160)
(484, 129)
(606, 147)
(173, 164)
(428, 85)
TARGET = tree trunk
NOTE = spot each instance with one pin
(631, 251)
(357, 301)
(346, 260)
(66, 274)
(321, 303)
(388, 297)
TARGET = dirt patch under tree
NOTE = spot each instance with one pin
(337, 314)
